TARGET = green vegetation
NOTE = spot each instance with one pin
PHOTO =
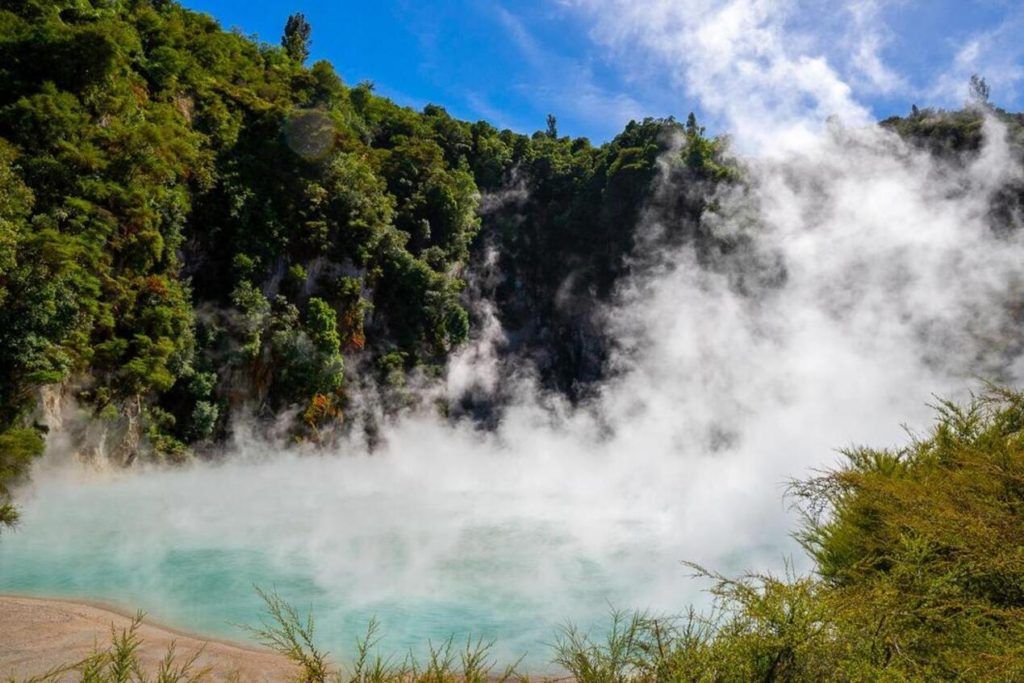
(119, 662)
(171, 168)
(919, 576)
(289, 633)
(192, 223)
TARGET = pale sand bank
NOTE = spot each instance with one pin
(37, 634)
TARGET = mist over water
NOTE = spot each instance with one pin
(869, 281)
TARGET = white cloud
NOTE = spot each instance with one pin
(765, 70)
(868, 39)
(996, 54)
(758, 77)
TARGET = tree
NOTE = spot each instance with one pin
(296, 40)
(552, 127)
(980, 90)
(692, 129)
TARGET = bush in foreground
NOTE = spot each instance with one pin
(919, 556)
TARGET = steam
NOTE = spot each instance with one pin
(868, 280)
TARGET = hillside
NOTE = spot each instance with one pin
(198, 227)
(194, 223)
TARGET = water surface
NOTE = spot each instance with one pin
(508, 563)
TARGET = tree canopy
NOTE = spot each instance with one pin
(192, 222)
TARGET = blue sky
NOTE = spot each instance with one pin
(597, 63)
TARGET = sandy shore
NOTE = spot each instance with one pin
(37, 634)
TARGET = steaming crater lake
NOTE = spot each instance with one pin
(505, 563)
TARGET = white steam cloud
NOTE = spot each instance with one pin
(871, 282)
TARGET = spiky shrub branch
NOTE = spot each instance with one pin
(287, 632)
(120, 662)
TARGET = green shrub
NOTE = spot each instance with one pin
(18, 447)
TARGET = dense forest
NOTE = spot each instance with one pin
(190, 216)
(196, 226)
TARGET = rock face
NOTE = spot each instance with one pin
(73, 431)
(40, 634)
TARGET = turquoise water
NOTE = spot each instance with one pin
(457, 553)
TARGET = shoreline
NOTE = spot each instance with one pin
(43, 632)
(125, 612)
